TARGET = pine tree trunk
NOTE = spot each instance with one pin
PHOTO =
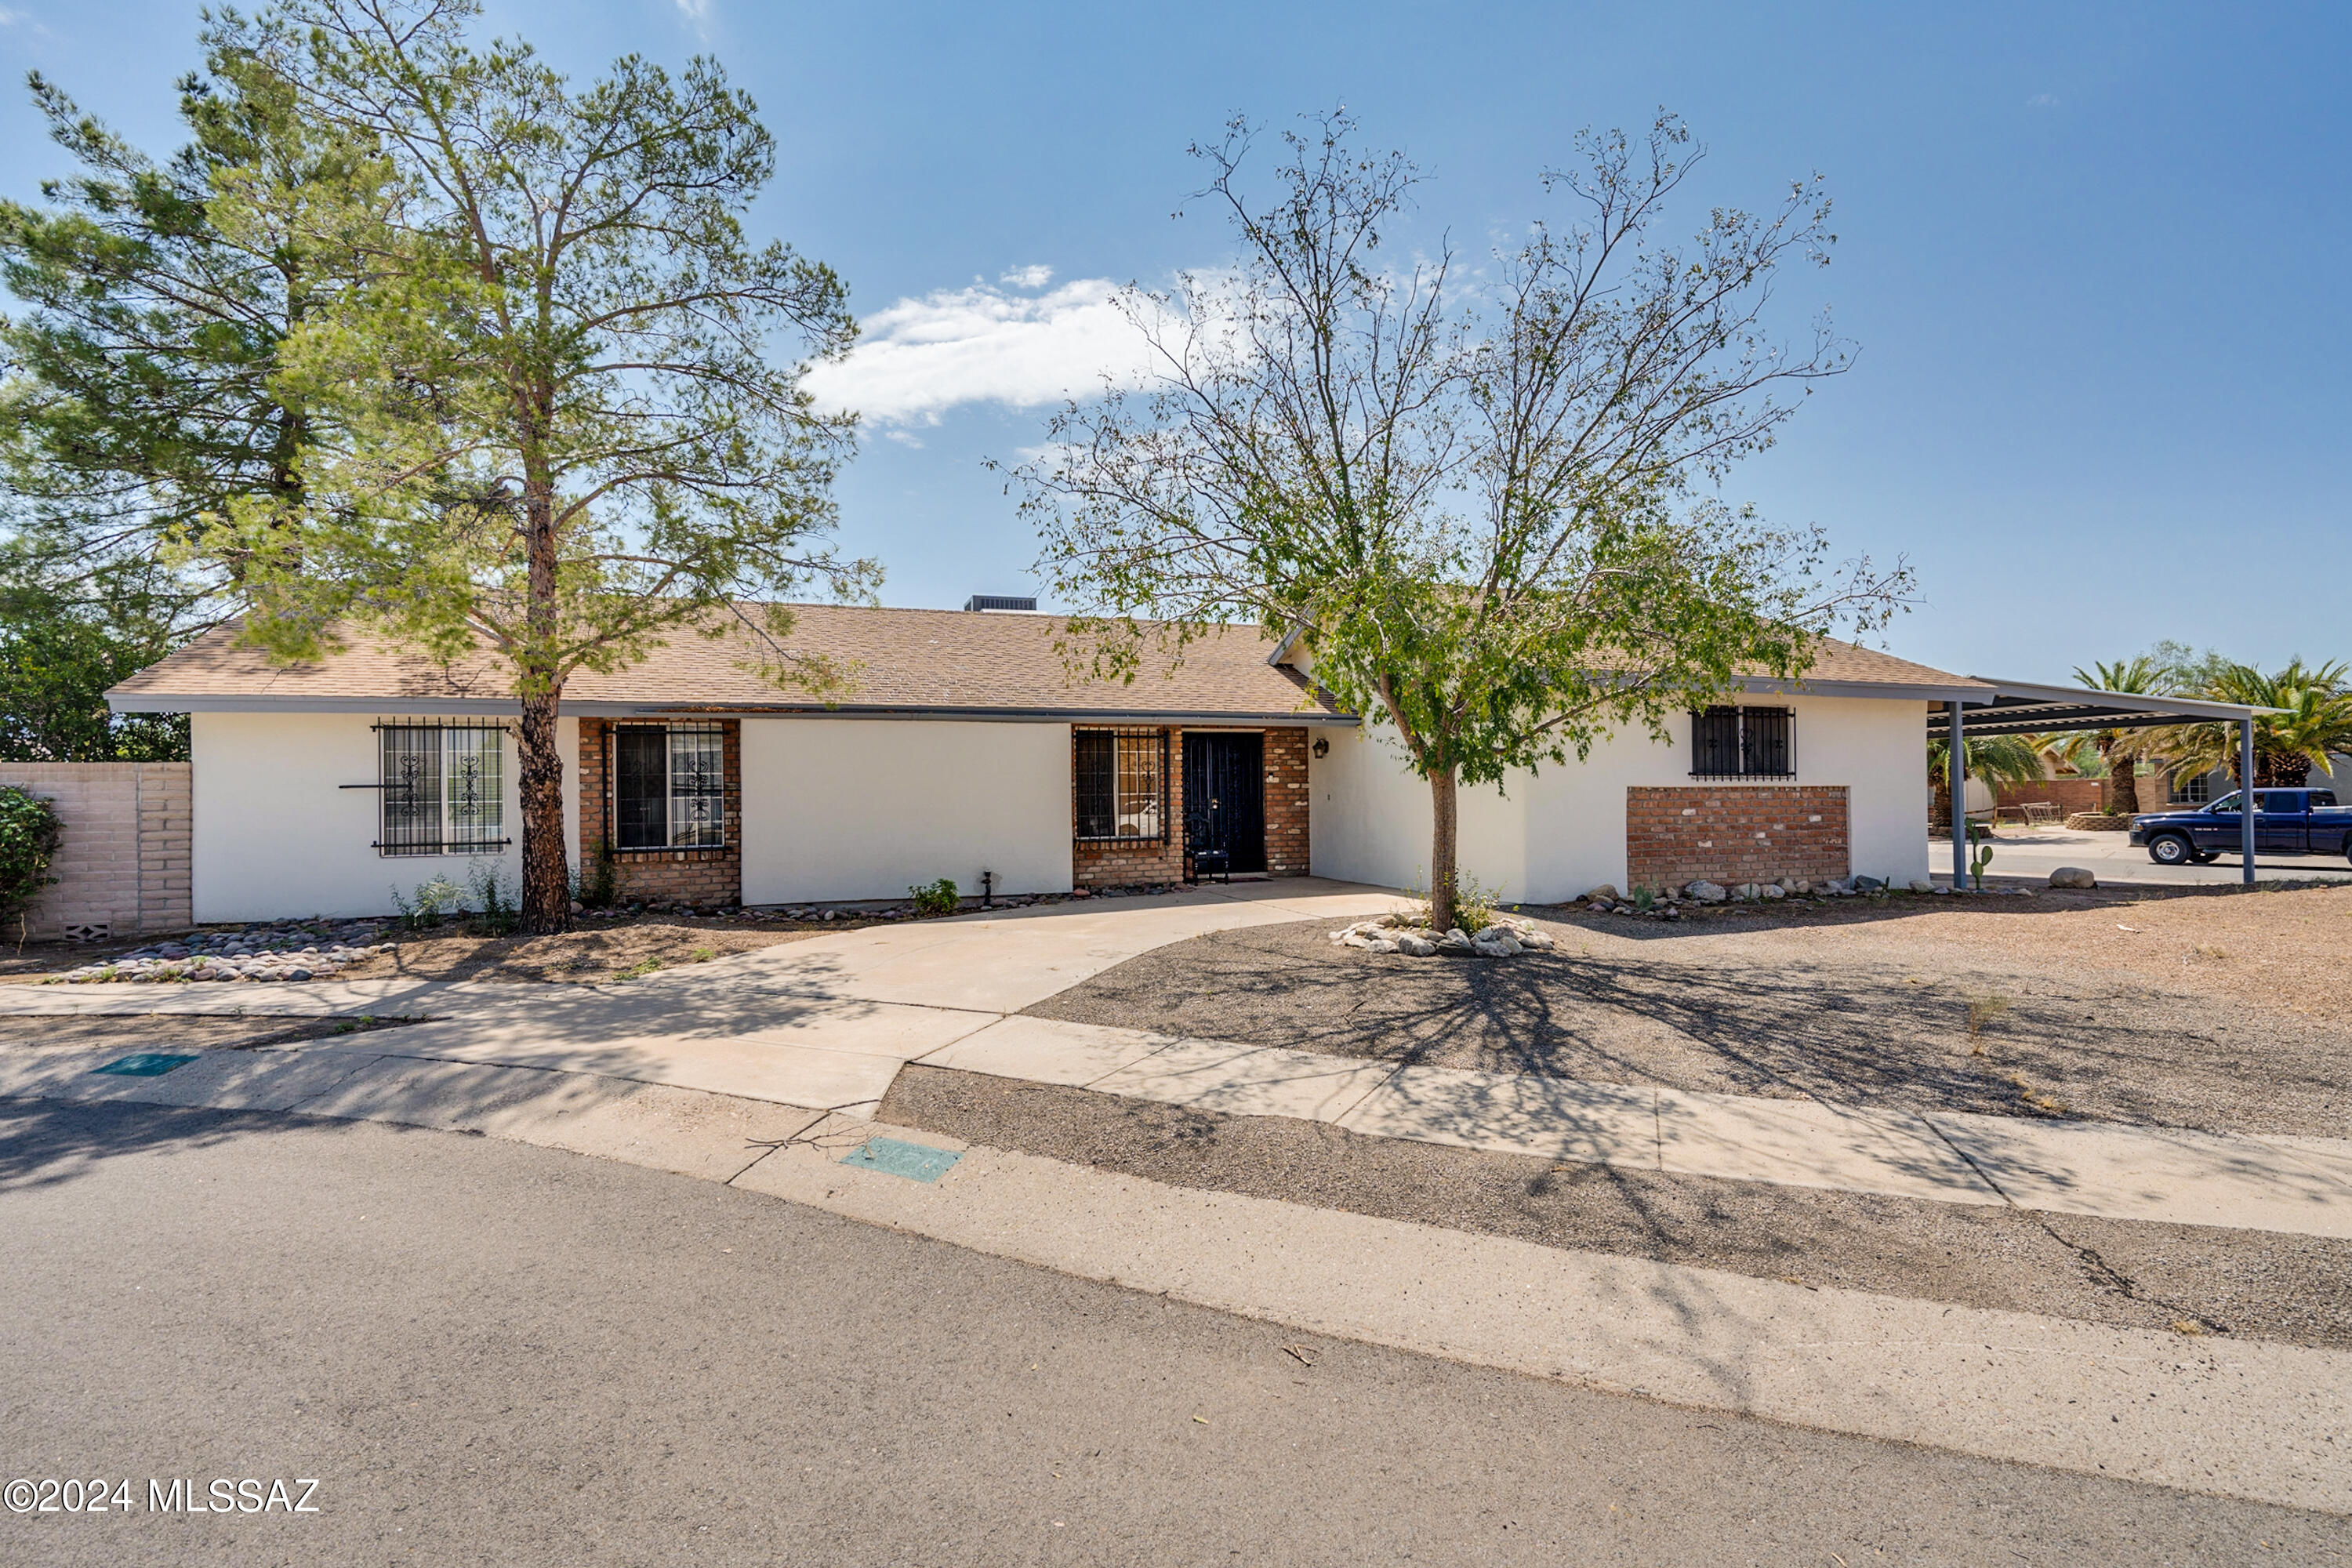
(546, 877)
(1442, 866)
(546, 884)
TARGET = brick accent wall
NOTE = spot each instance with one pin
(1286, 803)
(1734, 834)
(2069, 796)
(123, 859)
(687, 876)
(1111, 862)
(1100, 863)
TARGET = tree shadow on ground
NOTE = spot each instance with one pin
(45, 1143)
(1986, 1042)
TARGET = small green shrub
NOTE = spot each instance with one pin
(1474, 903)
(599, 883)
(939, 898)
(424, 908)
(29, 831)
(496, 913)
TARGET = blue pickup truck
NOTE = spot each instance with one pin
(2287, 822)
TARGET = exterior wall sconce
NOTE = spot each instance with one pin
(1322, 747)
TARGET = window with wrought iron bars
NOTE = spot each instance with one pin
(441, 789)
(1121, 783)
(669, 786)
(1743, 743)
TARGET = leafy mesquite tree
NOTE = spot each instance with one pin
(1488, 511)
(560, 429)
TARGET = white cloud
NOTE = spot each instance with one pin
(1033, 276)
(696, 14)
(2043, 100)
(918, 358)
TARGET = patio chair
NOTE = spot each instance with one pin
(2042, 814)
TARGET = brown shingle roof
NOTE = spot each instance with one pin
(940, 661)
(927, 661)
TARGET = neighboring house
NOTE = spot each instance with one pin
(955, 743)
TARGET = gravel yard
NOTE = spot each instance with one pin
(2146, 1007)
(588, 954)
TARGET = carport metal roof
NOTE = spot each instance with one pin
(2021, 708)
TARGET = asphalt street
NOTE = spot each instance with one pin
(487, 1352)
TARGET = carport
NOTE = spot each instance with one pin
(2021, 708)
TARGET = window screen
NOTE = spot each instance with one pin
(640, 787)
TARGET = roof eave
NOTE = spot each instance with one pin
(458, 707)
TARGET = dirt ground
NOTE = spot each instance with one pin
(2251, 1284)
(589, 954)
(2221, 1011)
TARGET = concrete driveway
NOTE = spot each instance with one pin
(2034, 853)
(823, 1024)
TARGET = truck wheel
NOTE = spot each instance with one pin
(2170, 849)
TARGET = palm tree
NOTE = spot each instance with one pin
(2315, 719)
(2141, 677)
(1996, 759)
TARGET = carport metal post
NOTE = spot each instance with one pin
(2246, 794)
(1956, 771)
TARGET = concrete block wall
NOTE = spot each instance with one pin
(123, 860)
(1733, 834)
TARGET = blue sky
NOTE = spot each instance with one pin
(2092, 256)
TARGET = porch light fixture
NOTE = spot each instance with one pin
(1322, 746)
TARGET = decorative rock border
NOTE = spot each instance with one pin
(1504, 937)
(256, 954)
(2098, 822)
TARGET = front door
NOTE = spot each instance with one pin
(1224, 797)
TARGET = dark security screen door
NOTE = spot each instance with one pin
(1224, 797)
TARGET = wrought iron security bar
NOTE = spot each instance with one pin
(441, 788)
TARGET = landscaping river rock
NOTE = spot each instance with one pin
(310, 951)
(1504, 937)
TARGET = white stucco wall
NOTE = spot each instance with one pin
(864, 808)
(1367, 818)
(274, 835)
(1562, 831)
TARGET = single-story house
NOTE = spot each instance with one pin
(955, 743)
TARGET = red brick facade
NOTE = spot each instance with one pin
(1733, 834)
(1104, 863)
(687, 876)
(1286, 803)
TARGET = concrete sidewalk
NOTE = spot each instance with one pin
(822, 1023)
(2252, 1419)
(2299, 1186)
(826, 1025)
